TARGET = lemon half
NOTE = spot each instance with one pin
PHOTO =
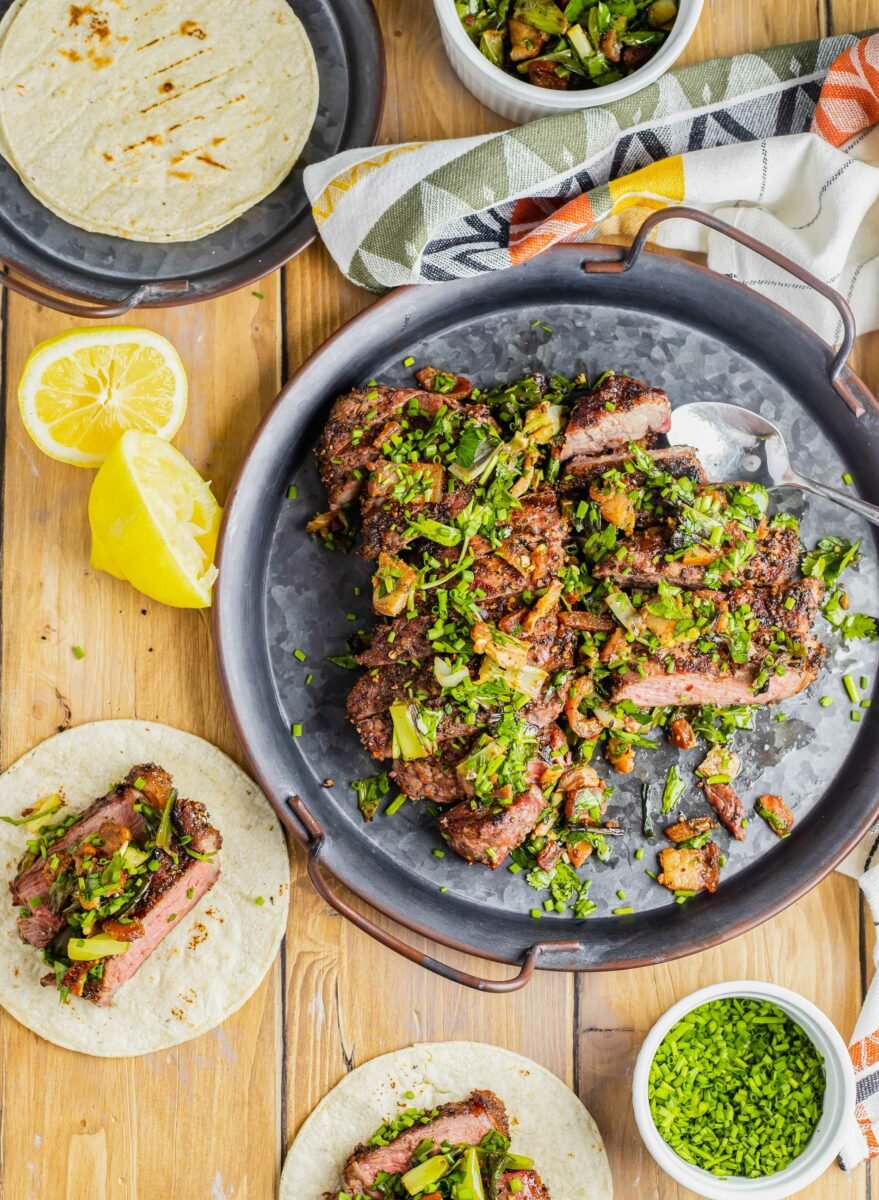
(155, 521)
(80, 391)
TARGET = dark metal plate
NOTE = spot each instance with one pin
(680, 327)
(347, 45)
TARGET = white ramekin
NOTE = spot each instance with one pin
(837, 1116)
(520, 101)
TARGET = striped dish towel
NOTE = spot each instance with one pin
(863, 1140)
(780, 143)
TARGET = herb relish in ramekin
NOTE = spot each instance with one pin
(736, 1088)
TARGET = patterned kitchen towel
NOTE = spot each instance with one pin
(863, 1139)
(755, 139)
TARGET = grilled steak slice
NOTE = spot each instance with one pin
(359, 424)
(433, 778)
(386, 521)
(350, 444)
(619, 411)
(725, 801)
(175, 889)
(378, 689)
(522, 1185)
(711, 678)
(774, 561)
(400, 640)
(791, 607)
(487, 834)
(376, 732)
(686, 870)
(461, 1123)
(31, 888)
(581, 473)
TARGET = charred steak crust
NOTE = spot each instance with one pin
(580, 473)
(488, 833)
(619, 411)
(775, 560)
(460, 1123)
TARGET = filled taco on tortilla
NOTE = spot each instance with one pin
(448, 1121)
(144, 917)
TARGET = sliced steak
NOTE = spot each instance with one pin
(381, 687)
(699, 678)
(32, 887)
(792, 608)
(683, 869)
(175, 889)
(455, 387)
(725, 801)
(400, 640)
(460, 1123)
(350, 444)
(386, 522)
(581, 473)
(434, 778)
(487, 834)
(644, 562)
(619, 411)
(521, 1185)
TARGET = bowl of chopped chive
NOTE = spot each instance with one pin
(744, 1089)
(533, 58)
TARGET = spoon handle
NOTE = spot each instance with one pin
(870, 512)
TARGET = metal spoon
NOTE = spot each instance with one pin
(733, 443)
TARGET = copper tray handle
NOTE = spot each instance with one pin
(314, 840)
(628, 257)
(163, 293)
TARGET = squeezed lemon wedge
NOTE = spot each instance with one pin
(155, 521)
(80, 391)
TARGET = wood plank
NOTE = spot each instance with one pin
(105, 1128)
(353, 997)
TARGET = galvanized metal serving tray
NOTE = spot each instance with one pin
(113, 275)
(678, 326)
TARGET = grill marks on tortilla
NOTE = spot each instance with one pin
(89, 93)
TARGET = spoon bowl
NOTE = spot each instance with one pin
(734, 443)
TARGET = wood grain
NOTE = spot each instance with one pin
(211, 1120)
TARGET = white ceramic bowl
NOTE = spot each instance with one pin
(520, 101)
(822, 1148)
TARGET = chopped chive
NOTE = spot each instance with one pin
(826, 701)
(866, 703)
(622, 912)
(789, 603)
(847, 479)
(296, 730)
(350, 616)
(258, 295)
(140, 783)
(438, 853)
(723, 860)
(865, 682)
(514, 868)
(855, 715)
(781, 717)
(549, 906)
(408, 362)
(78, 652)
(444, 889)
(639, 853)
(621, 895)
(536, 914)
(851, 689)
(308, 679)
(395, 805)
(292, 491)
(259, 900)
(300, 654)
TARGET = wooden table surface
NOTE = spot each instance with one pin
(212, 1120)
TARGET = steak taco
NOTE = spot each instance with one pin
(144, 917)
(448, 1121)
